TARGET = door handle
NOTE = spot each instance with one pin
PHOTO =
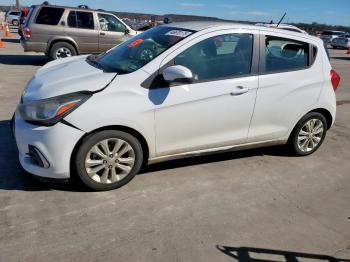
(102, 33)
(240, 90)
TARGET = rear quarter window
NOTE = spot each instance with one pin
(49, 16)
(282, 54)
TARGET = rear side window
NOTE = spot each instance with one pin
(223, 56)
(285, 54)
(83, 20)
(15, 13)
(49, 16)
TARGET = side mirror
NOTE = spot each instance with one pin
(178, 73)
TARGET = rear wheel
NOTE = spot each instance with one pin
(108, 160)
(309, 134)
(61, 50)
(15, 22)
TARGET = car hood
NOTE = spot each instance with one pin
(64, 76)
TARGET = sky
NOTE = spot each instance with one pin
(336, 12)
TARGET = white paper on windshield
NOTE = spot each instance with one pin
(179, 33)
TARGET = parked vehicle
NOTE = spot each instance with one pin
(327, 36)
(174, 91)
(13, 17)
(284, 27)
(24, 14)
(65, 31)
(342, 41)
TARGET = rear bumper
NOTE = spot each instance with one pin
(52, 145)
(30, 46)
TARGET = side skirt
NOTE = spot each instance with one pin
(216, 150)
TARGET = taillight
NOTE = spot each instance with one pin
(27, 32)
(335, 78)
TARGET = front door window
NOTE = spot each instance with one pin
(110, 23)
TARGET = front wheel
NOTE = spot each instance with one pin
(108, 160)
(309, 134)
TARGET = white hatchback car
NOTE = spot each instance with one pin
(173, 91)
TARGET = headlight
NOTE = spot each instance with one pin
(48, 112)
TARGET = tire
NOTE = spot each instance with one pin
(296, 140)
(15, 22)
(61, 50)
(111, 176)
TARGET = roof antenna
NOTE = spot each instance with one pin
(281, 19)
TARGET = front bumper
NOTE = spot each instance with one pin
(54, 145)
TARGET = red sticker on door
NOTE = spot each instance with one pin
(135, 43)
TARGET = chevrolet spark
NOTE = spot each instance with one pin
(174, 91)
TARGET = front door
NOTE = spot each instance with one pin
(216, 109)
(112, 32)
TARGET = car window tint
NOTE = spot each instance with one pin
(110, 23)
(217, 57)
(84, 20)
(285, 54)
(49, 16)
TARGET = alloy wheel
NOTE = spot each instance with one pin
(63, 52)
(310, 135)
(110, 160)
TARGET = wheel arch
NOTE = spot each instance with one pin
(323, 111)
(326, 114)
(126, 129)
(65, 40)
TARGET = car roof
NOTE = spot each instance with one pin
(218, 25)
(202, 25)
(73, 8)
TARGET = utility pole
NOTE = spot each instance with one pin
(17, 5)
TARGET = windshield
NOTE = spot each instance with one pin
(140, 50)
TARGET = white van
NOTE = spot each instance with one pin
(174, 91)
